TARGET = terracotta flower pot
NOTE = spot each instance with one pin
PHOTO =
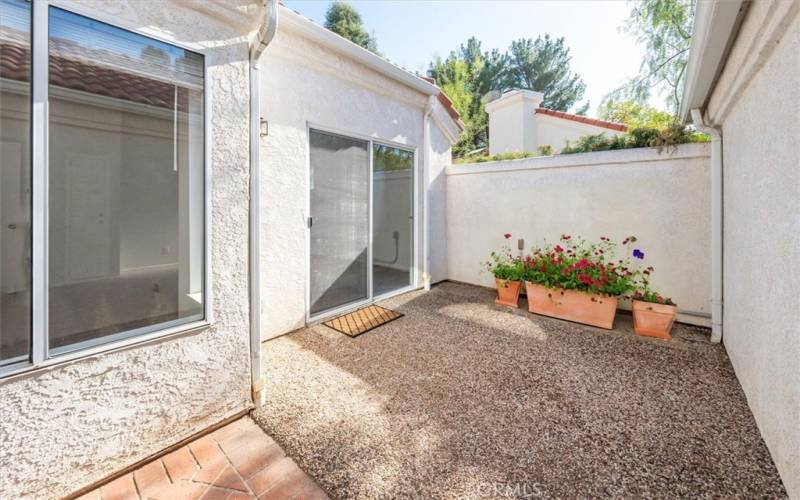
(572, 305)
(507, 293)
(653, 320)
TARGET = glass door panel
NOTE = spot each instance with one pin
(392, 210)
(339, 203)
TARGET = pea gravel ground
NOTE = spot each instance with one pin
(463, 399)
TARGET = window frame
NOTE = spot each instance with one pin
(40, 355)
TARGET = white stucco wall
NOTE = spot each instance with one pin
(662, 199)
(305, 83)
(441, 158)
(761, 294)
(511, 123)
(555, 132)
(515, 125)
(65, 427)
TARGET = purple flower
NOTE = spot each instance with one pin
(638, 253)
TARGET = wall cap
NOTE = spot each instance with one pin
(617, 157)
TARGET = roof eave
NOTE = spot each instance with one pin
(339, 44)
(715, 24)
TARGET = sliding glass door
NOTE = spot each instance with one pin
(392, 221)
(360, 224)
(339, 221)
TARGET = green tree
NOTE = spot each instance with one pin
(469, 72)
(542, 65)
(664, 27)
(465, 77)
(344, 20)
(635, 115)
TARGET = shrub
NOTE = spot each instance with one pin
(640, 137)
(516, 155)
(545, 150)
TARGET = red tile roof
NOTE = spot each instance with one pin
(583, 119)
(447, 103)
(75, 72)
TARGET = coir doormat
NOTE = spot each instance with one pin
(362, 320)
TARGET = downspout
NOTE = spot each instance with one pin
(426, 213)
(265, 34)
(716, 223)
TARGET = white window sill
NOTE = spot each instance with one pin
(20, 370)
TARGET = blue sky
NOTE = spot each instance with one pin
(411, 32)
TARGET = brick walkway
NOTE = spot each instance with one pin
(235, 462)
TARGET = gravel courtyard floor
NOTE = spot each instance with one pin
(463, 399)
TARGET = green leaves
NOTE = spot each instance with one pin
(345, 21)
(642, 137)
(664, 27)
(469, 72)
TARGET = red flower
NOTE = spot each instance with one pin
(507, 235)
(558, 249)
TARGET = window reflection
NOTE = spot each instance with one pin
(15, 181)
(126, 183)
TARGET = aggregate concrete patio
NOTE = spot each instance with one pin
(463, 399)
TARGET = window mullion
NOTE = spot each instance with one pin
(39, 147)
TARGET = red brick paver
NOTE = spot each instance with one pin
(235, 462)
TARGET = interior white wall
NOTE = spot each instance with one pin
(761, 220)
(70, 425)
(393, 201)
(304, 83)
(662, 199)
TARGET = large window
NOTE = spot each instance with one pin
(15, 181)
(123, 209)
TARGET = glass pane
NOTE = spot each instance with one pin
(15, 181)
(392, 208)
(126, 183)
(340, 229)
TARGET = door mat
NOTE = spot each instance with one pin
(362, 320)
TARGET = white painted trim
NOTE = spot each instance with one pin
(446, 124)
(714, 24)
(512, 97)
(40, 182)
(717, 214)
(308, 28)
(757, 52)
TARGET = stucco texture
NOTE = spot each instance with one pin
(661, 198)
(71, 425)
(305, 84)
(762, 235)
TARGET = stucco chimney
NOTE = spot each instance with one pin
(511, 122)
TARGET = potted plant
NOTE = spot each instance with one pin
(579, 281)
(507, 271)
(653, 314)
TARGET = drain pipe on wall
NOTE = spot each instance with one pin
(265, 34)
(716, 222)
(426, 198)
